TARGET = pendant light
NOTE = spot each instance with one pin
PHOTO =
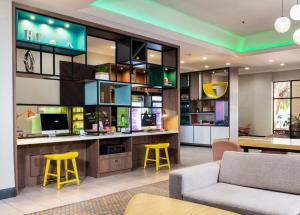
(282, 24)
(295, 11)
(296, 36)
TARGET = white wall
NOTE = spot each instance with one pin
(255, 99)
(6, 95)
(37, 91)
(234, 100)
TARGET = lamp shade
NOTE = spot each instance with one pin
(282, 24)
(30, 114)
(296, 36)
(295, 12)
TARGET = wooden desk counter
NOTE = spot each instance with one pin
(275, 144)
(90, 162)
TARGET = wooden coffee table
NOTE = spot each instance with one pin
(147, 204)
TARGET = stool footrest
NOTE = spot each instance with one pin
(71, 171)
(151, 159)
(68, 181)
(163, 165)
(52, 174)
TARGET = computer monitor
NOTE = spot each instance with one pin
(148, 121)
(53, 124)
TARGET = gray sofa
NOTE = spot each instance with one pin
(246, 183)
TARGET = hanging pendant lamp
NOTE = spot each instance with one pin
(282, 24)
(295, 11)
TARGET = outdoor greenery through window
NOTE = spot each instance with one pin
(286, 108)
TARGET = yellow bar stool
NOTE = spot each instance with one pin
(58, 158)
(157, 148)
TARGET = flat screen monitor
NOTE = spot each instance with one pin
(149, 121)
(54, 123)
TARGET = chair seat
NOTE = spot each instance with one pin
(157, 146)
(64, 156)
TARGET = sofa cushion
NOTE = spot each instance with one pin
(259, 170)
(246, 200)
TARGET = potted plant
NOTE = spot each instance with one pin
(295, 126)
(102, 72)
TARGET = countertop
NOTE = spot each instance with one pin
(42, 140)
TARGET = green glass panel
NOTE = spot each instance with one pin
(44, 30)
(169, 77)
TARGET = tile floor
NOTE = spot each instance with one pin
(36, 198)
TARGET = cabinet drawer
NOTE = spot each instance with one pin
(111, 163)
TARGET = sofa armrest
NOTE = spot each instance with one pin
(191, 178)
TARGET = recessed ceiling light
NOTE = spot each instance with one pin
(271, 61)
(227, 64)
(113, 47)
(282, 64)
(182, 62)
(67, 25)
(50, 21)
(32, 17)
(204, 58)
(206, 66)
(247, 68)
(152, 55)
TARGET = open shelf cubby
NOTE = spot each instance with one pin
(107, 93)
(43, 33)
(205, 97)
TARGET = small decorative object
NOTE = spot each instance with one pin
(69, 45)
(28, 34)
(166, 81)
(101, 72)
(52, 42)
(82, 133)
(38, 36)
(29, 61)
(133, 76)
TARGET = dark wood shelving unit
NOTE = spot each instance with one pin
(131, 59)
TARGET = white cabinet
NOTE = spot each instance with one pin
(219, 132)
(186, 134)
(202, 135)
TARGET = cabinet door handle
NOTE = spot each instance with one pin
(116, 161)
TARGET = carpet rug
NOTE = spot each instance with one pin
(113, 204)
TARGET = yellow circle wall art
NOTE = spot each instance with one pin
(215, 90)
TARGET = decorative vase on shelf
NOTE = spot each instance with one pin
(101, 72)
(166, 81)
(28, 34)
(38, 36)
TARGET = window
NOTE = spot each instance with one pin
(286, 108)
